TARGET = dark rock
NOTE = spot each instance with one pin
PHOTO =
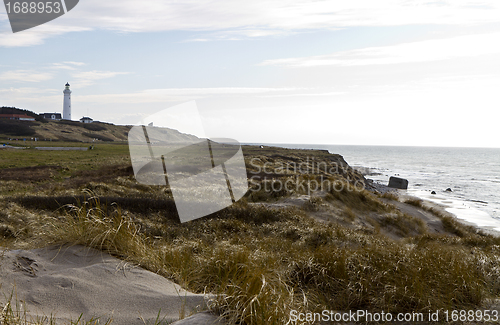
(433, 192)
(448, 190)
(397, 182)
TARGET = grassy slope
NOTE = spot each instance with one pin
(73, 131)
(51, 133)
(264, 258)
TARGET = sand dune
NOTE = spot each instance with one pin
(66, 282)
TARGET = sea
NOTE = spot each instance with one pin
(472, 174)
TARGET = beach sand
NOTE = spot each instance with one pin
(68, 281)
(446, 206)
(475, 218)
(456, 209)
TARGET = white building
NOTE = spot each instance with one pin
(67, 103)
(86, 119)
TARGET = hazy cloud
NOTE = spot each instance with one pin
(24, 91)
(74, 63)
(87, 78)
(67, 65)
(263, 15)
(430, 50)
(35, 36)
(230, 19)
(25, 76)
(179, 94)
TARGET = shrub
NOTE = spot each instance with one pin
(404, 224)
(415, 202)
(313, 204)
(390, 195)
(17, 128)
(355, 198)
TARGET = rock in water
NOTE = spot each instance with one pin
(433, 192)
(448, 190)
(397, 182)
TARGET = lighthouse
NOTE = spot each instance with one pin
(67, 103)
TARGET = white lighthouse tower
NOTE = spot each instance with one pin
(67, 103)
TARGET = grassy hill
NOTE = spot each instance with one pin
(73, 131)
(14, 110)
(69, 131)
(76, 131)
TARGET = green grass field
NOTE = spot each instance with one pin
(115, 153)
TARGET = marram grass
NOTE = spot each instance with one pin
(264, 262)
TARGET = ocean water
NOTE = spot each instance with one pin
(473, 174)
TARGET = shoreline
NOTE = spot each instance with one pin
(461, 212)
(437, 201)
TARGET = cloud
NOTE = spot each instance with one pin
(423, 51)
(239, 34)
(87, 78)
(50, 71)
(313, 94)
(37, 35)
(262, 17)
(34, 99)
(96, 75)
(178, 94)
(74, 63)
(67, 65)
(25, 76)
(233, 20)
(26, 91)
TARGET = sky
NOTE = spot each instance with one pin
(410, 72)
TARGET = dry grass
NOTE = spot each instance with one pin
(405, 225)
(415, 202)
(390, 195)
(313, 204)
(262, 262)
(15, 313)
(349, 214)
(354, 197)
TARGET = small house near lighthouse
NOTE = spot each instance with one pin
(67, 103)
